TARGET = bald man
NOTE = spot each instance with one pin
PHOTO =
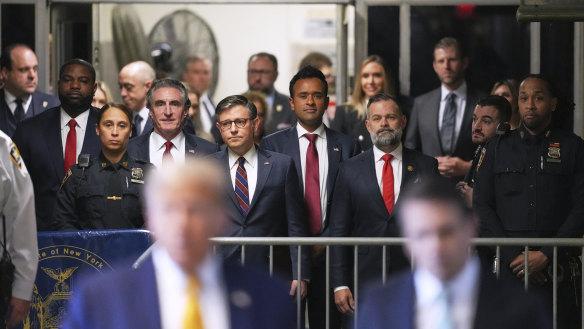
(134, 80)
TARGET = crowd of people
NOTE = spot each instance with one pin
(440, 168)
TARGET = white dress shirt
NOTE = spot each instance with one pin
(321, 148)
(157, 148)
(464, 289)
(172, 283)
(11, 101)
(144, 114)
(460, 106)
(251, 169)
(396, 164)
(207, 110)
(81, 120)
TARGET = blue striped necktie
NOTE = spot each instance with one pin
(241, 187)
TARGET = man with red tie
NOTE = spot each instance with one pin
(52, 141)
(366, 197)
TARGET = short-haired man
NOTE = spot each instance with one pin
(135, 79)
(198, 73)
(263, 198)
(317, 152)
(367, 192)
(448, 287)
(182, 284)
(490, 114)
(262, 72)
(51, 142)
(19, 99)
(168, 104)
(441, 120)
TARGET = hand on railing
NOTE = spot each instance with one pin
(344, 300)
(303, 288)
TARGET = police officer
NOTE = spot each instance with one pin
(17, 212)
(104, 192)
(530, 183)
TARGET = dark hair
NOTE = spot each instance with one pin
(81, 62)
(119, 106)
(315, 59)
(308, 72)
(448, 42)
(500, 103)
(171, 83)
(234, 100)
(549, 85)
(269, 56)
(382, 97)
(6, 58)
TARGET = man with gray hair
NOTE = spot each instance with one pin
(134, 80)
(365, 200)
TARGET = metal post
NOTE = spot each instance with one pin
(242, 254)
(327, 307)
(526, 268)
(579, 78)
(41, 43)
(404, 49)
(361, 37)
(271, 260)
(298, 289)
(341, 52)
(383, 263)
(535, 47)
(498, 261)
(555, 289)
(356, 282)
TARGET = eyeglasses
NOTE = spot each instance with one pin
(239, 123)
(260, 72)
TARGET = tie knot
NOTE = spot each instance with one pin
(18, 101)
(72, 123)
(311, 137)
(451, 97)
(168, 145)
(241, 161)
(387, 157)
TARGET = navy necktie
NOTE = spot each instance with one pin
(19, 111)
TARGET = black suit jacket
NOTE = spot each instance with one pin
(276, 210)
(280, 116)
(139, 148)
(340, 147)
(423, 133)
(500, 305)
(40, 102)
(358, 210)
(39, 142)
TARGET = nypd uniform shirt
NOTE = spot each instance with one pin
(17, 206)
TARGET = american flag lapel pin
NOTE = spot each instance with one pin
(191, 151)
(267, 163)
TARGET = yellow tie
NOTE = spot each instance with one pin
(193, 319)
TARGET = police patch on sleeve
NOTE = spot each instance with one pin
(483, 151)
(67, 175)
(15, 155)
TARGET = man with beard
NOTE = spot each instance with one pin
(365, 199)
(52, 141)
(530, 184)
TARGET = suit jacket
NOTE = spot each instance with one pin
(358, 210)
(280, 116)
(276, 210)
(340, 147)
(131, 300)
(139, 147)
(500, 305)
(423, 133)
(39, 142)
(40, 102)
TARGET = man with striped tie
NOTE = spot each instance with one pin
(264, 198)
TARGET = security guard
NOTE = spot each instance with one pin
(530, 183)
(104, 192)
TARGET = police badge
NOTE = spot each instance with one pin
(554, 152)
(137, 176)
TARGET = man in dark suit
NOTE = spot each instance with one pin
(19, 99)
(168, 103)
(309, 100)
(263, 196)
(262, 72)
(52, 141)
(364, 200)
(448, 287)
(182, 284)
(441, 120)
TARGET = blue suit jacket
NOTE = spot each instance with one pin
(358, 210)
(39, 142)
(276, 210)
(40, 102)
(280, 116)
(500, 305)
(340, 147)
(130, 300)
(138, 148)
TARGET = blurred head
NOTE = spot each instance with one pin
(308, 97)
(449, 63)
(198, 72)
(236, 119)
(193, 96)
(259, 100)
(508, 88)
(76, 86)
(134, 80)
(184, 208)
(488, 114)
(114, 127)
(168, 102)
(102, 95)
(385, 121)
(19, 70)
(438, 226)
(321, 62)
(262, 72)
(537, 102)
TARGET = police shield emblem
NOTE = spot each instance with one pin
(137, 175)
(554, 151)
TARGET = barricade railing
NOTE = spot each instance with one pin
(355, 242)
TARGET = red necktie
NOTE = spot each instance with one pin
(71, 145)
(312, 186)
(387, 177)
(167, 156)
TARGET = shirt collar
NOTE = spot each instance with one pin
(460, 92)
(105, 163)
(397, 153)
(143, 113)
(159, 140)
(318, 131)
(250, 157)
(11, 98)
(81, 119)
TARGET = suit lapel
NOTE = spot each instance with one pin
(264, 168)
(149, 294)
(408, 168)
(292, 136)
(370, 177)
(224, 158)
(91, 141)
(335, 151)
(433, 116)
(53, 142)
(190, 145)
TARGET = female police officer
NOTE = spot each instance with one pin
(104, 192)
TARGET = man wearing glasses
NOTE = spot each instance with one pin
(264, 198)
(262, 72)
